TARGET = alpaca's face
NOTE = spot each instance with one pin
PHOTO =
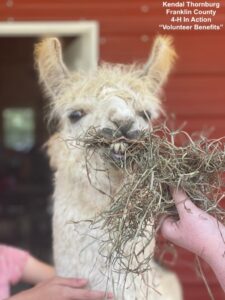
(117, 100)
(117, 111)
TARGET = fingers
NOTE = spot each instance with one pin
(72, 282)
(89, 295)
(183, 204)
(78, 283)
(74, 289)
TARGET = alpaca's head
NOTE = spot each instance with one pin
(115, 98)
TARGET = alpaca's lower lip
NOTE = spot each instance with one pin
(117, 156)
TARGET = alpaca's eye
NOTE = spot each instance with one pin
(145, 114)
(76, 115)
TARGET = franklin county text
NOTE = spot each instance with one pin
(190, 15)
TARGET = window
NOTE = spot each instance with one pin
(18, 128)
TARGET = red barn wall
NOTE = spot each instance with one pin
(195, 92)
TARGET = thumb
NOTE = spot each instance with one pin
(183, 203)
(170, 229)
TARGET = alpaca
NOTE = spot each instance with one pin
(112, 98)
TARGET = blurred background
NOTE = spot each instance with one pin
(118, 31)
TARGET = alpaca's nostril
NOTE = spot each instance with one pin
(134, 134)
(109, 133)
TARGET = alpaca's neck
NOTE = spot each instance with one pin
(79, 198)
(86, 190)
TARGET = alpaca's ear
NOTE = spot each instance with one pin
(160, 62)
(49, 62)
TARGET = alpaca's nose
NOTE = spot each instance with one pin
(123, 126)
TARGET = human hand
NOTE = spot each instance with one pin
(196, 230)
(62, 289)
(36, 271)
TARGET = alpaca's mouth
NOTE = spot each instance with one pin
(118, 150)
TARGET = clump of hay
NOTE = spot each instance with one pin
(154, 164)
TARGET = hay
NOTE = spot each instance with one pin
(154, 164)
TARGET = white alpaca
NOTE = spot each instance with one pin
(113, 98)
